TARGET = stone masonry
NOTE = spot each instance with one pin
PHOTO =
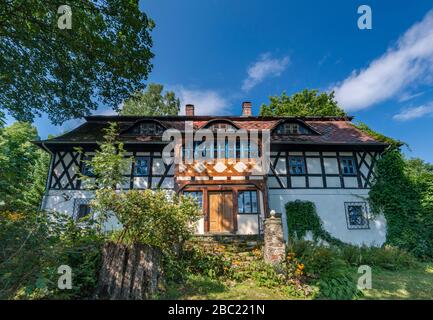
(275, 247)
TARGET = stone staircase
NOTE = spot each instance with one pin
(240, 249)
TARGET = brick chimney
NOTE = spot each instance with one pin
(189, 110)
(246, 109)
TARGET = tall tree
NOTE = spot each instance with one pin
(23, 168)
(152, 102)
(304, 103)
(67, 72)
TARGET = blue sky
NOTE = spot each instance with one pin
(217, 53)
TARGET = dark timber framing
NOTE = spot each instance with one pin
(61, 177)
(359, 157)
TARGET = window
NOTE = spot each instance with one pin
(87, 168)
(296, 165)
(141, 167)
(81, 208)
(356, 215)
(221, 126)
(247, 202)
(147, 129)
(226, 149)
(348, 164)
(197, 195)
(290, 128)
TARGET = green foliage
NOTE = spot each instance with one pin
(404, 197)
(325, 268)
(386, 257)
(301, 218)
(23, 168)
(156, 218)
(378, 136)
(304, 103)
(33, 246)
(109, 162)
(151, 103)
(193, 260)
(68, 73)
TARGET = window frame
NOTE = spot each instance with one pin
(304, 166)
(78, 202)
(86, 167)
(257, 204)
(134, 170)
(343, 160)
(365, 216)
(137, 129)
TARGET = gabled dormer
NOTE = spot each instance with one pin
(145, 128)
(290, 127)
(221, 125)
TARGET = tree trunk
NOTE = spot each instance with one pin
(129, 272)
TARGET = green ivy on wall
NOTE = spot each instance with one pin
(301, 218)
(403, 198)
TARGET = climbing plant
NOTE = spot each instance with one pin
(403, 198)
(302, 217)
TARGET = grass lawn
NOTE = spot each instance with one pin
(405, 284)
(414, 283)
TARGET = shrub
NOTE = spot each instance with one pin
(325, 268)
(34, 245)
(402, 192)
(156, 218)
(387, 257)
(195, 259)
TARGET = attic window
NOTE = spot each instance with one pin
(291, 128)
(222, 126)
(147, 129)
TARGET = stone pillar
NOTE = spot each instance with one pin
(275, 247)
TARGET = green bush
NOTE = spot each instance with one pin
(325, 268)
(156, 218)
(195, 259)
(403, 192)
(32, 248)
(387, 257)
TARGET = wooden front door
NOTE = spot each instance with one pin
(220, 212)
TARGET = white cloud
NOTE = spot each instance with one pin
(414, 113)
(206, 102)
(406, 64)
(263, 68)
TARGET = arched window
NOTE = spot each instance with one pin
(292, 128)
(146, 128)
(224, 125)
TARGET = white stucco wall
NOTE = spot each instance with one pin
(330, 208)
(248, 224)
(63, 201)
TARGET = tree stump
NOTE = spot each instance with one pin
(129, 272)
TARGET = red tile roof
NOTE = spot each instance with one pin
(327, 130)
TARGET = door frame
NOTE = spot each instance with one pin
(234, 189)
(233, 216)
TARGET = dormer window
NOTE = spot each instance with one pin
(222, 126)
(146, 129)
(291, 128)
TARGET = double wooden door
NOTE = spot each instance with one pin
(220, 211)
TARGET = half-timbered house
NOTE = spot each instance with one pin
(326, 160)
